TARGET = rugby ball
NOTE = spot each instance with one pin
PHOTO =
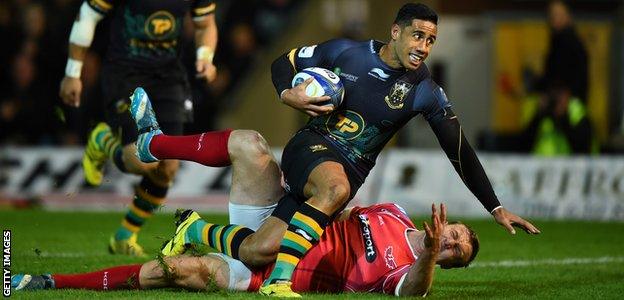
(325, 83)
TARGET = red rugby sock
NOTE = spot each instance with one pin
(122, 277)
(209, 148)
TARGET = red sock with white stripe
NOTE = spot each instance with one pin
(209, 148)
(116, 278)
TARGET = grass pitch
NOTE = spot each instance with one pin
(577, 260)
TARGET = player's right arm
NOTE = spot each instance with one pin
(80, 38)
(287, 65)
(419, 278)
(447, 129)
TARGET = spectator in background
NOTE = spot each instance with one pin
(28, 112)
(566, 61)
(347, 18)
(22, 92)
(560, 124)
(557, 121)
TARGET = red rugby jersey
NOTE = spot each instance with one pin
(368, 252)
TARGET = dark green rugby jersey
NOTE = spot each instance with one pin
(378, 100)
(146, 33)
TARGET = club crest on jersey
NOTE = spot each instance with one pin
(369, 245)
(396, 98)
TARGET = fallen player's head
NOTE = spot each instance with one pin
(460, 246)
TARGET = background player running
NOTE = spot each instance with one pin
(386, 85)
(143, 50)
(368, 249)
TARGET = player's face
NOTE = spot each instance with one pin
(414, 42)
(456, 246)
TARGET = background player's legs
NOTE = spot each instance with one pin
(102, 145)
(327, 189)
(149, 195)
(132, 164)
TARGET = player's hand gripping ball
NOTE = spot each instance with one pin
(325, 83)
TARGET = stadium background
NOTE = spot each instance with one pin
(484, 48)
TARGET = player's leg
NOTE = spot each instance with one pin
(256, 175)
(256, 249)
(120, 277)
(150, 193)
(314, 173)
(149, 196)
(196, 273)
(104, 141)
(255, 183)
(209, 148)
(255, 190)
(102, 145)
(190, 272)
(327, 189)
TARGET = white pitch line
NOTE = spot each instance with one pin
(549, 261)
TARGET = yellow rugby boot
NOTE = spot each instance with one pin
(280, 289)
(126, 247)
(94, 158)
(179, 242)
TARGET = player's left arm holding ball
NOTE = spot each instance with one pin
(445, 124)
(287, 65)
(204, 22)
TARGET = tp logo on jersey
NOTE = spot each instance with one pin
(396, 98)
(160, 25)
(345, 124)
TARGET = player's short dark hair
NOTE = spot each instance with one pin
(474, 242)
(411, 11)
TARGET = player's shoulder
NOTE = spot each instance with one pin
(343, 44)
(330, 48)
(428, 88)
(429, 93)
(391, 209)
